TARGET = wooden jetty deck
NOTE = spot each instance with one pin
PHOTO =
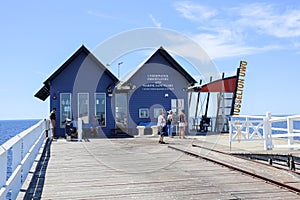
(140, 168)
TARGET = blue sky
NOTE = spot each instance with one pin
(38, 36)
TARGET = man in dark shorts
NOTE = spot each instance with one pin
(53, 121)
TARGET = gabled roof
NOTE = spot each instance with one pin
(44, 92)
(169, 59)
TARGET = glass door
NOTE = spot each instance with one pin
(83, 107)
(121, 111)
(100, 108)
(65, 108)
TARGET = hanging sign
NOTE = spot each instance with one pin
(240, 87)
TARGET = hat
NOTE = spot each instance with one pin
(68, 120)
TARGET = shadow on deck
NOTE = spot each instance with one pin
(35, 188)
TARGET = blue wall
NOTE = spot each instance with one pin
(156, 78)
(149, 94)
(83, 75)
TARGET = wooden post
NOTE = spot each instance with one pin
(16, 154)
(3, 166)
(230, 134)
(79, 123)
(290, 129)
(47, 127)
(247, 127)
(267, 132)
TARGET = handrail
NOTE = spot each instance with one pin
(249, 116)
(18, 154)
(243, 129)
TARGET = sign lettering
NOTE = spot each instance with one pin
(158, 82)
(240, 87)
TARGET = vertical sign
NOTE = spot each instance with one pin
(239, 88)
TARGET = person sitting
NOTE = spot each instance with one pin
(201, 123)
(204, 124)
(94, 126)
(68, 127)
(74, 133)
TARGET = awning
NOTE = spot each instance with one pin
(43, 93)
(222, 85)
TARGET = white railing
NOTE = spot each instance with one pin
(251, 128)
(289, 132)
(18, 154)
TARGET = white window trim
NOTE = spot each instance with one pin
(140, 113)
(60, 107)
(104, 105)
(88, 100)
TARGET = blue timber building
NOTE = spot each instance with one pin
(84, 88)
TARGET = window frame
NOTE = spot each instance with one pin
(105, 110)
(157, 111)
(63, 107)
(147, 113)
(85, 120)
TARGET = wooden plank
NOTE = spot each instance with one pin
(142, 169)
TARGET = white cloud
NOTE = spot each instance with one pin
(223, 44)
(242, 30)
(195, 12)
(268, 19)
(155, 22)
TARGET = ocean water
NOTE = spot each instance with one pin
(10, 128)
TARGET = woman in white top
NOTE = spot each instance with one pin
(161, 123)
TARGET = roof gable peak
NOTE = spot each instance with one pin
(166, 56)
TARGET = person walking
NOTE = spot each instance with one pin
(53, 121)
(170, 123)
(182, 124)
(161, 125)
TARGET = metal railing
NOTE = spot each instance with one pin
(17, 156)
(253, 128)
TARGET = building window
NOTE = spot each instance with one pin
(177, 105)
(121, 110)
(157, 112)
(100, 108)
(143, 113)
(83, 107)
(65, 108)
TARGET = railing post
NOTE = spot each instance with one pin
(247, 127)
(3, 166)
(79, 123)
(230, 130)
(47, 128)
(290, 129)
(16, 154)
(267, 132)
(230, 133)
